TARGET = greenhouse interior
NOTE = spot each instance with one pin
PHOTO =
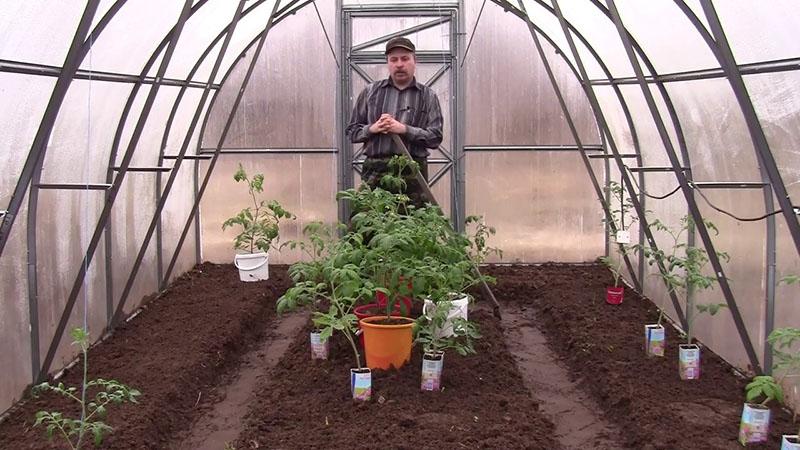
(286, 219)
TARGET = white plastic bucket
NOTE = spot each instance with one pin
(458, 308)
(252, 266)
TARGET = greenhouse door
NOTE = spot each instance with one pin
(434, 30)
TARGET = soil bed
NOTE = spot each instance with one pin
(176, 352)
(187, 345)
(603, 347)
(485, 404)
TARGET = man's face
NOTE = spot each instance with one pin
(402, 65)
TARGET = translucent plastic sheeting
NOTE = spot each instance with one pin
(601, 34)
(14, 320)
(303, 184)
(355, 3)
(745, 243)
(509, 98)
(666, 35)
(29, 95)
(436, 38)
(539, 202)
(540, 13)
(760, 31)
(290, 100)
(246, 31)
(197, 34)
(140, 25)
(65, 223)
(149, 142)
(786, 311)
(38, 31)
(776, 98)
(83, 133)
(716, 133)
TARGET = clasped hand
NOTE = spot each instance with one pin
(387, 124)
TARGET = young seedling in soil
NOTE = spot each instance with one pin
(92, 411)
(754, 425)
(618, 215)
(681, 268)
(259, 223)
(785, 352)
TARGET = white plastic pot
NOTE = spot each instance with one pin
(252, 266)
(794, 444)
(458, 308)
(689, 361)
(754, 426)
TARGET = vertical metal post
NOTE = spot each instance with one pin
(112, 193)
(687, 191)
(342, 93)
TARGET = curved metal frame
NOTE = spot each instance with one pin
(715, 39)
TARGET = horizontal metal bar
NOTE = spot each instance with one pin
(427, 56)
(398, 9)
(188, 156)
(654, 169)
(144, 169)
(414, 29)
(430, 161)
(781, 65)
(54, 71)
(531, 148)
(611, 156)
(75, 186)
(257, 151)
(729, 184)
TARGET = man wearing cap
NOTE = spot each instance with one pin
(397, 105)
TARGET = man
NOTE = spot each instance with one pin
(397, 105)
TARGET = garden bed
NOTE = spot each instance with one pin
(177, 351)
(603, 347)
(186, 345)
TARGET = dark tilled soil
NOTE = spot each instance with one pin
(187, 345)
(307, 404)
(603, 347)
(182, 345)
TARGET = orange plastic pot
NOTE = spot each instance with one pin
(387, 346)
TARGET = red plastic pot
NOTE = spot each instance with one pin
(614, 295)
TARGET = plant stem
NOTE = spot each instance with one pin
(82, 429)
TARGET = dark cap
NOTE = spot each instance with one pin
(400, 42)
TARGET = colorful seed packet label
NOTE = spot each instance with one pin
(361, 384)
(754, 426)
(654, 340)
(689, 363)
(432, 373)
(319, 349)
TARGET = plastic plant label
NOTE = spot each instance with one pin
(654, 340)
(754, 426)
(361, 384)
(319, 349)
(623, 237)
(689, 362)
(432, 365)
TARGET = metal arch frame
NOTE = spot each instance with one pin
(31, 172)
(694, 210)
(161, 198)
(768, 167)
(275, 18)
(162, 148)
(113, 191)
(533, 29)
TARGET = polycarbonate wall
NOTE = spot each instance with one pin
(541, 201)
